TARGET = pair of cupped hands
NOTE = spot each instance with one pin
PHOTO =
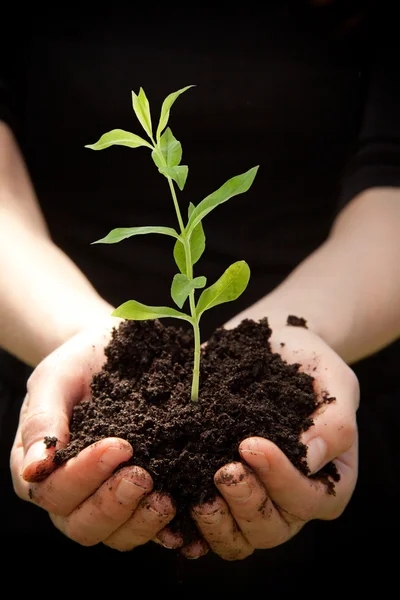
(260, 502)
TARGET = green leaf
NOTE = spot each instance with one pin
(122, 233)
(232, 187)
(137, 311)
(166, 107)
(178, 174)
(171, 151)
(228, 287)
(119, 137)
(197, 245)
(182, 286)
(142, 110)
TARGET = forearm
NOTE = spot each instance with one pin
(348, 290)
(45, 299)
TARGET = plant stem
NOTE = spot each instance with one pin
(195, 323)
(189, 273)
(175, 199)
(196, 364)
(171, 187)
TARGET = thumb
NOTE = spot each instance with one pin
(44, 421)
(58, 383)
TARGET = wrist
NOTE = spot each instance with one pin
(90, 312)
(37, 337)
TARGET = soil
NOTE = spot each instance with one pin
(142, 395)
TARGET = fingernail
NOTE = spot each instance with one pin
(195, 550)
(170, 540)
(212, 518)
(127, 491)
(316, 453)
(111, 458)
(36, 462)
(257, 460)
(237, 491)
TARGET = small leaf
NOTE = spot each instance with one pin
(137, 311)
(232, 187)
(166, 107)
(142, 110)
(182, 286)
(171, 151)
(179, 256)
(228, 287)
(119, 137)
(122, 233)
(178, 174)
(197, 245)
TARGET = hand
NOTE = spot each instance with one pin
(265, 501)
(86, 499)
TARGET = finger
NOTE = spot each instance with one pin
(56, 385)
(295, 495)
(257, 517)
(169, 539)
(333, 433)
(107, 509)
(150, 517)
(76, 480)
(220, 530)
(40, 468)
(195, 549)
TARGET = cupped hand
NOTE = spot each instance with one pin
(264, 500)
(88, 498)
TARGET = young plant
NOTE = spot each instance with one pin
(166, 153)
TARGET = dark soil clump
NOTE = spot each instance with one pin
(296, 321)
(142, 395)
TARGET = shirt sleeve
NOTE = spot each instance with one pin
(376, 160)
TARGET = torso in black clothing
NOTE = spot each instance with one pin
(284, 89)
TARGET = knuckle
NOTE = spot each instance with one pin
(335, 513)
(238, 554)
(275, 541)
(77, 533)
(111, 512)
(120, 546)
(32, 422)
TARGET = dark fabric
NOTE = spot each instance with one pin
(296, 89)
(376, 159)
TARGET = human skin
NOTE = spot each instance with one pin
(348, 290)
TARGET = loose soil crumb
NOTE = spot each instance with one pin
(296, 321)
(142, 395)
(50, 442)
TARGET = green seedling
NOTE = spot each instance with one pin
(190, 241)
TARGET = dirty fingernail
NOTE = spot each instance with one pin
(211, 518)
(127, 491)
(169, 540)
(36, 462)
(195, 550)
(316, 453)
(111, 458)
(237, 491)
(257, 459)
